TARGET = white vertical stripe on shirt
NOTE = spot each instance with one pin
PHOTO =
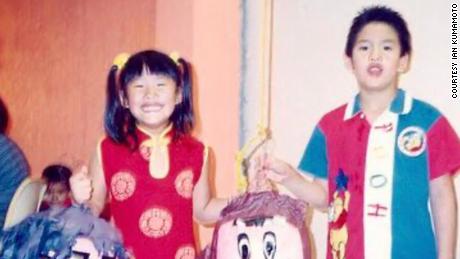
(378, 185)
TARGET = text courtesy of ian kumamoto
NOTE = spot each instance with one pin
(454, 50)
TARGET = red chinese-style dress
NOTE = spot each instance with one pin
(151, 192)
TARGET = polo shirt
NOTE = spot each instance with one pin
(379, 174)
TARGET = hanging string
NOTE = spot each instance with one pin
(264, 79)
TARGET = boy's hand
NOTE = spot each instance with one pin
(80, 184)
(258, 182)
(278, 171)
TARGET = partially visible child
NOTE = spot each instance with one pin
(14, 167)
(52, 232)
(57, 193)
(382, 160)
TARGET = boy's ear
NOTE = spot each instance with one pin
(348, 62)
(404, 63)
(123, 100)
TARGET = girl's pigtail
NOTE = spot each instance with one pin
(114, 111)
(119, 123)
(183, 116)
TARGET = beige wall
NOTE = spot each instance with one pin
(55, 55)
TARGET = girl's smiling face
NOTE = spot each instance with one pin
(376, 58)
(151, 98)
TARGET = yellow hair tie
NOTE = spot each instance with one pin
(175, 56)
(120, 60)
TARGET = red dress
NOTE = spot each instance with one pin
(155, 216)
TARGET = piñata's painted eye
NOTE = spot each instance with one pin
(269, 245)
(243, 246)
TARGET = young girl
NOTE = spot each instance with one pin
(57, 195)
(155, 172)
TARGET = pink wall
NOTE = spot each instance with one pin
(55, 55)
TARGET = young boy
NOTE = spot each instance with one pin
(382, 159)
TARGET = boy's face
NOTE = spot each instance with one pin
(56, 194)
(376, 58)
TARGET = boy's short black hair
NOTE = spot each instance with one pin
(57, 174)
(384, 15)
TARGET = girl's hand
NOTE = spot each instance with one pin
(80, 184)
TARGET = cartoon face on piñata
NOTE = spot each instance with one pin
(262, 225)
